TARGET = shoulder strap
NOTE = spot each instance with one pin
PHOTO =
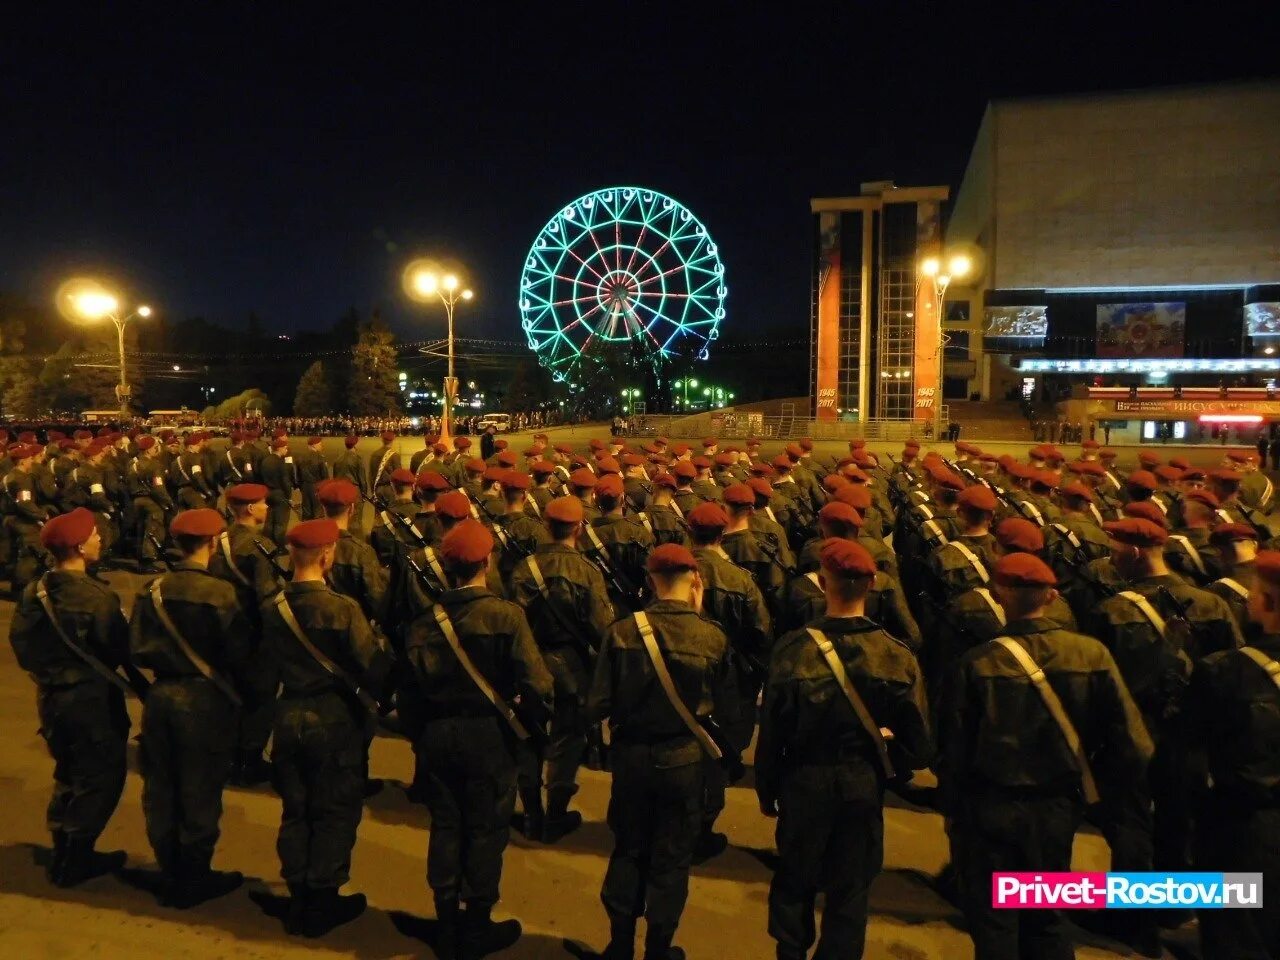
(1164, 508)
(676, 508)
(382, 466)
(1235, 586)
(1266, 663)
(231, 463)
(490, 694)
(538, 579)
(98, 667)
(1035, 514)
(978, 566)
(531, 501)
(996, 609)
(434, 563)
(812, 577)
(224, 542)
(1057, 711)
(644, 519)
(1267, 492)
(1196, 560)
(331, 668)
(828, 651)
(197, 661)
(1097, 515)
(1067, 532)
(669, 687)
(1148, 611)
(768, 510)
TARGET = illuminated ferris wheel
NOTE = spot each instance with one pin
(622, 265)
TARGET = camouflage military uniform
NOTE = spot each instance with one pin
(525, 534)
(668, 527)
(886, 607)
(82, 716)
(188, 724)
(743, 548)
(627, 542)
(819, 766)
(349, 466)
(25, 510)
(277, 474)
(954, 572)
(96, 487)
(772, 533)
(1241, 575)
(318, 749)
(655, 809)
(389, 533)
(151, 504)
(186, 476)
(383, 462)
(313, 470)
(468, 749)
(357, 574)
(1011, 787)
(1190, 555)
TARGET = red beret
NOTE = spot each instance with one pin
(761, 470)
(402, 476)
(279, 443)
(506, 459)
(1148, 459)
(1169, 474)
(500, 444)
(1107, 454)
(431, 480)
(725, 459)
(948, 480)
(1076, 490)
(671, 558)
(454, 504)
(68, 530)
(279, 432)
(684, 470)
(806, 444)
(793, 451)
(475, 465)
(978, 497)
(1136, 532)
(462, 443)
(1225, 476)
(439, 449)
(1202, 496)
(197, 523)
(608, 465)
(1242, 456)
(23, 451)
(631, 460)
(83, 434)
(1044, 478)
(1231, 532)
(595, 443)
(66, 444)
(840, 512)
(350, 442)
(753, 441)
(1142, 480)
(1088, 468)
(665, 480)
(515, 480)
(1016, 534)
(781, 463)
(313, 534)
(542, 468)
(338, 492)
(1024, 570)
(387, 436)
(702, 463)
(1019, 471)
(708, 516)
(1268, 567)
(1182, 463)
(578, 461)
(855, 496)
(740, 495)
(565, 510)
(609, 486)
(246, 493)
(679, 449)
(761, 487)
(708, 442)
(312, 441)
(582, 479)
(1193, 473)
(833, 482)
(846, 560)
(494, 474)
(235, 436)
(911, 445)
(1146, 510)
(146, 442)
(468, 542)
(1090, 445)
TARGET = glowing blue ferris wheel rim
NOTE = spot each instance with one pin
(618, 265)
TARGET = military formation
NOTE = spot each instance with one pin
(1057, 639)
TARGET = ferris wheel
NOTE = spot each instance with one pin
(622, 265)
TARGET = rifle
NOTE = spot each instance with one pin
(279, 571)
(380, 507)
(1264, 532)
(772, 554)
(598, 556)
(963, 631)
(428, 580)
(160, 552)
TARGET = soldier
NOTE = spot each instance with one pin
(428, 486)
(635, 483)
(382, 463)
(389, 523)
(731, 598)
(1017, 766)
(188, 628)
(238, 559)
(355, 571)
(472, 655)
(26, 508)
(151, 502)
(747, 550)
(332, 668)
(1190, 552)
(685, 498)
(276, 471)
(313, 469)
(566, 601)
(966, 560)
(836, 692)
(658, 678)
(704, 486)
(186, 476)
(431, 449)
(541, 493)
(521, 533)
(770, 519)
(668, 523)
(96, 487)
(1233, 704)
(624, 541)
(68, 633)
(350, 467)
(1237, 547)
(235, 466)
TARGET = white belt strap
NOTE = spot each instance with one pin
(669, 687)
(1097, 514)
(812, 577)
(974, 562)
(1266, 663)
(1068, 533)
(1035, 514)
(224, 542)
(1266, 493)
(1148, 611)
(1236, 587)
(1161, 504)
(530, 501)
(996, 609)
(1224, 516)
(1196, 560)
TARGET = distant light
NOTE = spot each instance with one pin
(425, 282)
(1269, 351)
(1230, 418)
(144, 311)
(450, 282)
(471, 384)
(693, 384)
(176, 368)
(959, 266)
(94, 305)
(930, 266)
(467, 294)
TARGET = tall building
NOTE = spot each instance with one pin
(874, 326)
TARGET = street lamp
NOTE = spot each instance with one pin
(426, 284)
(956, 267)
(94, 304)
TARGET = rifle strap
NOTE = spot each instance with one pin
(1057, 711)
(490, 694)
(98, 667)
(828, 651)
(669, 687)
(531, 502)
(331, 668)
(197, 661)
(1097, 514)
(1236, 587)
(1147, 610)
(1267, 493)
(1035, 514)
(978, 566)
(224, 543)
(1225, 517)
(676, 507)
(1266, 663)
(234, 469)
(996, 609)
(812, 577)
(644, 519)
(1067, 532)
(538, 579)
(768, 512)
(386, 458)
(433, 562)
(1164, 508)
(1192, 553)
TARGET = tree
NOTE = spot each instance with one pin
(374, 390)
(250, 401)
(23, 398)
(528, 388)
(314, 397)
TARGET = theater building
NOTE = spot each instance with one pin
(1120, 241)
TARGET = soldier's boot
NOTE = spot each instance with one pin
(297, 908)
(709, 844)
(560, 820)
(622, 939)
(197, 883)
(250, 770)
(534, 816)
(326, 909)
(448, 914)
(597, 755)
(80, 862)
(58, 859)
(657, 944)
(481, 936)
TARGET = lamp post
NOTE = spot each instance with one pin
(428, 284)
(957, 266)
(97, 305)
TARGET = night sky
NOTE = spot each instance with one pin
(219, 163)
